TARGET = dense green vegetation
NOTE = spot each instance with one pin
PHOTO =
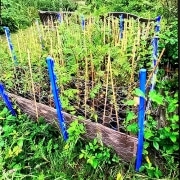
(35, 150)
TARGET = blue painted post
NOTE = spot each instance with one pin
(121, 26)
(155, 56)
(11, 48)
(6, 100)
(141, 118)
(155, 51)
(59, 18)
(55, 91)
(83, 23)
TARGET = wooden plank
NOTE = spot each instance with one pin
(124, 145)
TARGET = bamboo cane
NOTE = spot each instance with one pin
(32, 83)
(154, 69)
(114, 95)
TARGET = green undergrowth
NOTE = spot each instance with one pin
(36, 150)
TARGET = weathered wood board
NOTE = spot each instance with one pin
(124, 145)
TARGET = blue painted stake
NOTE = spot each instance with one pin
(6, 100)
(155, 56)
(141, 117)
(121, 26)
(11, 48)
(59, 18)
(83, 23)
(155, 51)
(55, 91)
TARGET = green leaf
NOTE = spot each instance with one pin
(173, 138)
(156, 97)
(130, 116)
(138, 92)
(175, 118)
(95, 163)
(148, 134)
(130, 102)
(20, 142)
(1, 143)
(171, 108)
(146, 144)
(133, 128)
(81, 156)
(156, 145)
(176, 147)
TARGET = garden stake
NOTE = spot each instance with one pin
(155, 55)
(59, 48)
(39, 33)
(114, 94)
(125, 36)
(91, 59)
(132, 69)
(117, 31)
(6, 100)
(51, 49)
(121, 26)
(107, 82)
(19, 50)
(141, 117)
(32, 83)
(55, 91)
(104, 30)
(155, 50)
(147, 28)
(59, 18)
(116, 36)
(139, 35)
(154, 69)
(11, 48)
(112, 30)
(107, 77)
(86, 80)
(82, 23)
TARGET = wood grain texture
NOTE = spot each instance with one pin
(124, 145)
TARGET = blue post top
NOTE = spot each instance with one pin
(121, 25)
(83, 22)
(121, 20)
(6, 100)
(8, 36)
(6, 30)
(142, 79)
(59, 18)
(157, 27)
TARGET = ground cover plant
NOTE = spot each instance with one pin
(35, 150)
